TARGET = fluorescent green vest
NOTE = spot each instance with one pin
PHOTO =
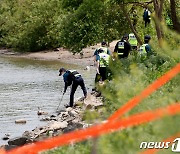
(142, 51)
(104, 59)
(132, 39)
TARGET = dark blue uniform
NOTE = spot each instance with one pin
(75, 79)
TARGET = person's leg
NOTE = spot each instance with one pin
(83, 87)
(145, 23)
(73, 90)
(103, 73)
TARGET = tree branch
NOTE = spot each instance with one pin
(131, 25)
(142, 4)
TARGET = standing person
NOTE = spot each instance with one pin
(72, 77)
(123, 47)
(133, 41)
(146, 16)
(145, 48)
(104, 48)
(102, 64)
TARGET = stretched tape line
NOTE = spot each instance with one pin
(94, 131)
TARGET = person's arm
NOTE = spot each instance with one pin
(95, 54)
(108, 52)
(148, 48)
(65, 87)
(66, 81)
(98, 61)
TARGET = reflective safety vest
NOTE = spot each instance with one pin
(120, 48)
(105, 50)
(104, 60)
(74, 73)
(142, 51)
(132, 39)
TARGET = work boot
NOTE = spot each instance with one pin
(67, 105)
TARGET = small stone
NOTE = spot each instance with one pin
(89, 106)
(87, 68)
(5, 138)
(45, 119)
(42, 113)
(73, 113)
(20, 121)
(69, 109)
(52, 116)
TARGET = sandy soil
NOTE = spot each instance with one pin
(62, 55)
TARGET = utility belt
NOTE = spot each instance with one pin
(77, 75)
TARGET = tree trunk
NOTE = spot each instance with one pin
(176, 24)
(131, 25)
(158, 7)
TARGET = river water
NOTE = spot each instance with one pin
(27, 84)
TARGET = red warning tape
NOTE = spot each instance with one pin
(95, 131)
(111, 125)
(170, 139)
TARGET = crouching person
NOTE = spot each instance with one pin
(72, 77)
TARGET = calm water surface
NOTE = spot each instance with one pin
(27, 84)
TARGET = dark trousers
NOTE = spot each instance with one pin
(78, 81)
(102, 76)
(147, 21)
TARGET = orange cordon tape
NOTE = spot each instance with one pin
(94, 131)
(170, 139)
(112, 124)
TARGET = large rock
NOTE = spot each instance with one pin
(91, 101)
(18, 141)
(72, 127)
(58, 125)
(28, 135)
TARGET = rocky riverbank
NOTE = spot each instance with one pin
(64, 121)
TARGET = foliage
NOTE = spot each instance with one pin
(28, 30)
(38, 25)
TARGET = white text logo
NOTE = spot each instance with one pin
(162, 145)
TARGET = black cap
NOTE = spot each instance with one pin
(61, 70)
(125, 36)
(103, 43)
(147, 37)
